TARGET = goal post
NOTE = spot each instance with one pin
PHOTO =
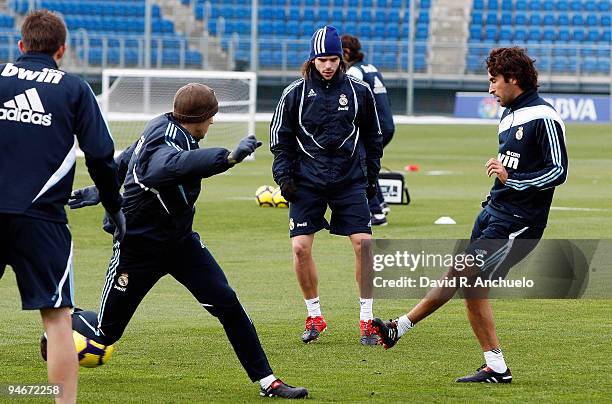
(132, 97)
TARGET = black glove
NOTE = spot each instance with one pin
(289, 190)
(245, 147)
(114, 223)
(87, 196)
(371, 190)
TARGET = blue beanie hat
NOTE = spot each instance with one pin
(325, 42)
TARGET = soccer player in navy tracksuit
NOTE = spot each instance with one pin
(163, 172)
(532, 161)
(42, 108)
(327, 146)
(370, 74)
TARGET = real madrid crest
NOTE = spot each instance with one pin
(519, 133)
(123, 280)
(343, 101)
(291, 224)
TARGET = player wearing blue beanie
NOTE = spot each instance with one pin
(327, 146)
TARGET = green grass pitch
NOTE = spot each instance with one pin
(174, 351)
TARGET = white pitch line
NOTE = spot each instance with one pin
(578, 209)
(442, 172)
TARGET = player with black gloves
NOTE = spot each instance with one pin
(327, 146)
(163, 171)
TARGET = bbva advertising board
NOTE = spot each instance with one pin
(571, 107)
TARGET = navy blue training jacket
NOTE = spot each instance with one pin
(163, 171)
(326, 133)
(370, 74)
(41, 110)
(532, 149)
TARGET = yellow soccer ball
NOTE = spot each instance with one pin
(278, 199)
(263, 196)
(91, 354)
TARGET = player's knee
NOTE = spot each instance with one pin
(301, 252)
(476, 301)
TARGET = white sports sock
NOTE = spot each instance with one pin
(267, 381)
(365, 309)
(403, 325)
(495, 360)
(313, 306)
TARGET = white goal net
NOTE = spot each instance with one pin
(132, 97)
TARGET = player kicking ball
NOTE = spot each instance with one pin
(533, 134)
(162, 173)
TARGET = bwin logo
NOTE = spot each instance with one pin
(26, 108)
(510, 159)
(45, 76)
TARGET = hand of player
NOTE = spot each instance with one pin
(87, 196)
(289, 190)
(245, 147)
(371, 190)
(494, 166)
(114, 223)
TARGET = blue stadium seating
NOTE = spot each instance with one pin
(371, 20)
(563, 34)
(566, 36)
(115, 30)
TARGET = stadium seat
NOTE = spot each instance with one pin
(389, 61)
(491, 18)
(520, 34)
(534, 5)
(593, 35)
(475, 32)
(562, 5)
(590, 65)
(506, 19)
(592, 20)
(576, 5)
(337, 15)
(507, 5)
(490, 33)
(534, 34)
(423, 17)
(589, 5)
(577, 20)
(563, 20)
(578, 35)
(392, 16)
(520, 5)
(364, 31)
(421, 32)
(293, 29)
(549, 35)
(505, 34)
(520, 19)
(379, 31)
(535, 19)
(365, 15)
(351, 15)
(548, 20)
